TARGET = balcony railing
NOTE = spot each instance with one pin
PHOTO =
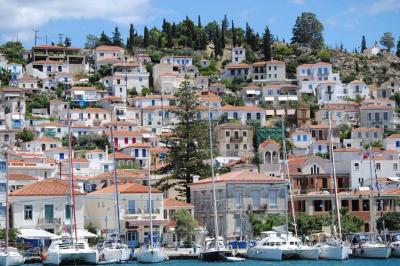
(49, 221)
(236, 139)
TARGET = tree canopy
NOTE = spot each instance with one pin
(387, 40)
(185, 224)
(308, 30)
(13, 52)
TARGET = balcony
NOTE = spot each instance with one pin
(236, 139)
(49, 221)
(140, 214)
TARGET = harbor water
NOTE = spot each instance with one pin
(350, 262)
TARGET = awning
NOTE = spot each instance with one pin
(269, 99)
(292, 98)
(85, 234)
(280, 112)
(35, 234)
(282, 98)
(394, 178)
(270, 112)
(291, 111)
(250, 92)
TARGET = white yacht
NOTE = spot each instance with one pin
(372, 250)
(151, 253)
(278, 246)
(334, 250)
(64, 251)
(395, 244)
(11, 257)
(112, 252)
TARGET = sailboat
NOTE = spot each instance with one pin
(114, 251)
(214, 249)
(70, 249)
(281, 244)
(151, 253)
(373, 248)
(9, 256)
(334, 248)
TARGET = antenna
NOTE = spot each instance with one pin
(60, 37)
(36, 36)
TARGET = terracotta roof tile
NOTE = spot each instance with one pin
(46, 187)
(241, 177)
(126, 188)
(176, 203)
(108, 48)
(21, 177)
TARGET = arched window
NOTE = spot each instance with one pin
(267, 157)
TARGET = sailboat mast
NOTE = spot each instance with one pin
(213, 178)
(71, 176)
(283, 170)
(333, 172)
(7, 220)
(115, 176)
(149, 204)
(286, 162)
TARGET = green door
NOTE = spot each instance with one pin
(49, 213)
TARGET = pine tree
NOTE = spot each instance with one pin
(67, 42)
(116, 38)
(145, 37)
(266, 46)
(398, 48)
(104, 39)
(188, 144)
(363, 44)
(308, 30)
(234, 36)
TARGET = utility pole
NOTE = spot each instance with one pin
(60, 38)
(36, 36)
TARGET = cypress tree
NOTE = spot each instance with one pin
(116, 39)
(130, 43)
(164, 25)
(223, 34)
(67, 42)
(234, 36)
(398, 48)
(170, 42)
(173, 30)
(198, 21)
(217, 43)
(145, 37)
(266, 46)
(363, 44)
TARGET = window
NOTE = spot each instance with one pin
(273, 199)
(385, 116)
(68, 211)
(298, 137)
(238, 199)
(359, 135)
(28, 212)
(244, 146)
(375, 134)
(237, 223)
(235, 115)
(244, 133)
(258, 116)
(365, 205)
(356, 167)
(236, 146)
(378, 166)
(395, 166)
(131, 207)
(248, 116)
(275, 68)
(318, 205)
(227, 133)
(354, 206)
(228, 146)
(118, 81)
(255, 199)
(304, 137)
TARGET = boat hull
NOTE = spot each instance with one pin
(151, 256)
(396, 252)
(329, 252)
(74, 256)
(115, 254)
(264, 253)
(305, 252)
(372, 252)
(215, 255)
(11, 259)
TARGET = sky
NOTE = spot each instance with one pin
(345, 21)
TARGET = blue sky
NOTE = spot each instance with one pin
(344, 21)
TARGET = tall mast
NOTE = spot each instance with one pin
(7, 220)
(72, 188)
(150, 205)
(333, 175)
(115, 176)
(213, 178)
(287, 176)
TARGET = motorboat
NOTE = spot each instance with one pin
(11, 257)
(215, 252)
(372, 250)
(65, 251)
(111, 251)
(395, 245)
(279, 246)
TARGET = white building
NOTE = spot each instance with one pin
(44, 205)
(238, 55)
(108, 54)
(177, 60)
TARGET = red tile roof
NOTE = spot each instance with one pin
(21, 177)
(241, 108)
(241, 177)
(176, 203)
(108, 48)
(46, 187)
(126, 188)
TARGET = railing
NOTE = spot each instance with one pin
(236, 139)
(49, 221)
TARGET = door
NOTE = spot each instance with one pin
(48, 213)
(131, 238)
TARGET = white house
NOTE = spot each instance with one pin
(238, 55)
(177, 60)
(127, 77)
(44, 205)
(84, 96)
(302, 142)
(134, 211)
(108, 54)
(41, 144)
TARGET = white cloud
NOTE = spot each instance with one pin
(298, 2)
(19, 17)
(382, 6)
